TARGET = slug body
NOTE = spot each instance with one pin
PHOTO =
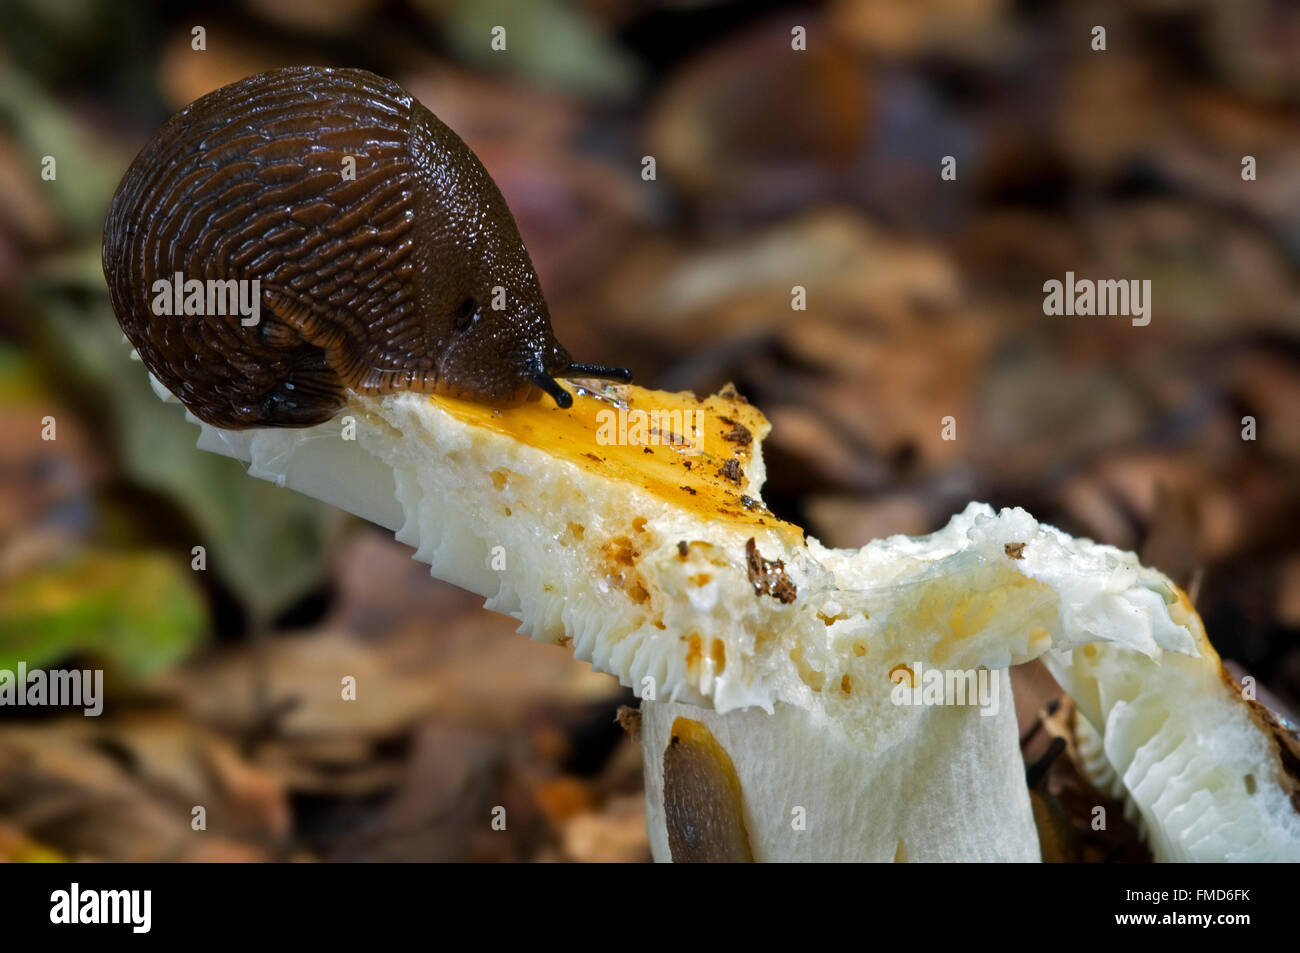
(703, 804)
(377, 241)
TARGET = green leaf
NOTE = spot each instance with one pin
(140, 611)
(85, 175)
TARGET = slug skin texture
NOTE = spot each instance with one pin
(380, 255)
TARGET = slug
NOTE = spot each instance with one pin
(703, 804)
(327, 233)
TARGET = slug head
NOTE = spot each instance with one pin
(496, 343)
(498, 354)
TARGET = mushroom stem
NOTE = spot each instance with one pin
(951, 790)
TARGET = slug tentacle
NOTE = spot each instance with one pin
(309, 231)
(599, 371)
(551, 386)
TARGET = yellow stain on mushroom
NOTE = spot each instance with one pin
(687, 474)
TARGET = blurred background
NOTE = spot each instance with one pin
(773, 168)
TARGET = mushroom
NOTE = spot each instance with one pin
(802, 702)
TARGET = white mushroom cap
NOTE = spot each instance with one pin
(676, 581)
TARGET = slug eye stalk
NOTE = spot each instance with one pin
(603, 372)
(562, 397)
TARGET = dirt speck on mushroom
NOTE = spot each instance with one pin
(768, 576)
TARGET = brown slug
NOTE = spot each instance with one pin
(704, 810)
(378, 281)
